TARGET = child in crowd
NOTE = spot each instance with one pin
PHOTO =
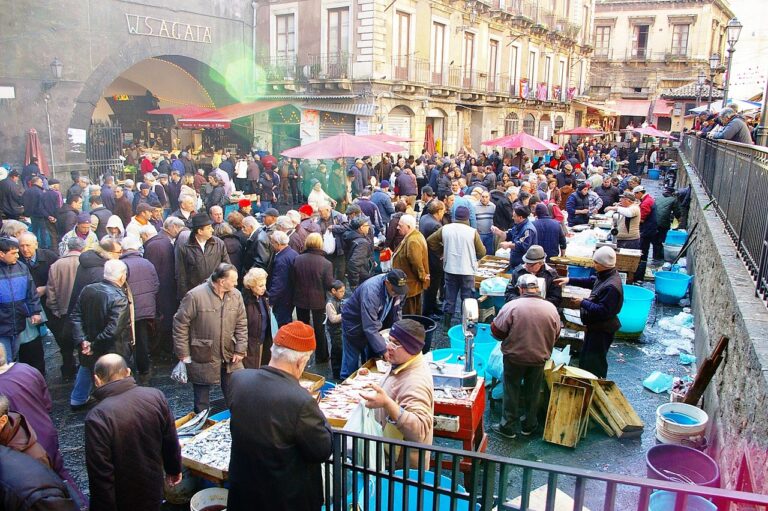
(333, 325)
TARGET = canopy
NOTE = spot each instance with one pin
(181, 111)
(522, 140)
(650, 131)
(223, 117)
(34, 149)
(743, 106)
(385, 137)
(342, 146)
(633, 107)
(581, 131)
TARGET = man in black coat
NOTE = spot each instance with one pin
(11, 205)
(608, 193)
(25, 483)
(429, 222)
(130, 441)
(195, 263)
(279, 435)
(91, 268)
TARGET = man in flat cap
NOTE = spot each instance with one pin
(82, 230)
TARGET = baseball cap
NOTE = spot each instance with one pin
(398, 280)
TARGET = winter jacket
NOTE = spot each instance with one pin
(49, 203)
(267, 187)
(667, 208)
(210, 330)
(193, 266)
(27, 484)
(406, 184)
(502, 217)
(392, 234)
(648, 225)
(103, 215)
(234, 251)
(19, 436)
(736, 130)
(371, 210)
(91, 242)
(528, 328)
(315, 273)
(215, 198)
(66, 219)
(144, 284)
(523, 235)
(123, 209)
(338, 226)
(280, 283)
(550, 236)
(361, 315)
(158, 250)
(609, 195)
(384, 202)
(31, 199)
(280, 438)
(299, 236)
(459, 246)
(39, 269)
(257, 310)
(554, 293)
(412, 257)
(600, 311)
(577, 201)
(61, 280)
(11, 204)
(443, 186)
(18, 298)
(359, 251)
(89, 271)
(101, 317)
(130, 444)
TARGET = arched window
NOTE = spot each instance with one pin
(559, 123)
(511, 124)
(529, 124)
(545, 127)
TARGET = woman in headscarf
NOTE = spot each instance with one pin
(318, 198)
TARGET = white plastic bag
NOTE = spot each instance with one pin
(179, 373)
(362, 420)
(329, 242)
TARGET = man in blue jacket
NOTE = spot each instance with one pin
(18, 298)
(519, 238)
(374, 306)
(383, 201)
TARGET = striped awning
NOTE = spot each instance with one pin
(358, 109)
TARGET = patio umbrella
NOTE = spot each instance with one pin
(385, 137)
(522, 140)
(743, 106)
(34, 149)
(581, 131)
(181, 111)
(341, 146)
(429, 140)
(650, 131)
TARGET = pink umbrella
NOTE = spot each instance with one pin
(581, 131)
(650, 131)
(522, 140)
(341, 146)
(34, 149)
(384, 137)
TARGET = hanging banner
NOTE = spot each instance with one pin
(571, 93)
(557, 93)
(524, 90)
(541, 92)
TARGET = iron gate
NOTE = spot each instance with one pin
(103, 150)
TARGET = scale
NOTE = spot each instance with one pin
(458, 375)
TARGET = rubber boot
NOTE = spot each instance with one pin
(447, 321)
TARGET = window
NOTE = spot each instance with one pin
(513, 67)
(533, 72)
(680, 40)
(602, 41)
(468, 60)
(529, 124)
(548, 73)
(402, 44)
(563, 80)
(493, 65)
(438, 52)
(338, 33)
(285, 37)
(640, 41)
(511, 124)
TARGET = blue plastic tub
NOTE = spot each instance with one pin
(220, 416)
(671, 286)
(634, 312)
(665, 500)
(428, 478)
(484, 342)
(676, 237)
(653, 174)
(451, 356)
(579, 272)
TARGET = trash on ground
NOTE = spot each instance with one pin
(658, 382)
(686, 359)
(679, 344)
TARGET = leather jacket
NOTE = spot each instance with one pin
(101, 317)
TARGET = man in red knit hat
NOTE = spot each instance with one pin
(279, 435)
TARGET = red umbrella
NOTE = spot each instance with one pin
(384, 137)
(34, 149)
(182, 111)
(429, 140)
(581, 131)
(341, 146)
(650, 131)
(522, 140)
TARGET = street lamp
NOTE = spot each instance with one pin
(700, 83)
(56, 71)
(714, 63)
(733, 31)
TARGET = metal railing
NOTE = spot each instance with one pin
(603, 53)
(735, 176)
(283, 68)
(330, 66)
(361, 475)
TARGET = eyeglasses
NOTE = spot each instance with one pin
(392, 346)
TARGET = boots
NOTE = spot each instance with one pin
(447, 321)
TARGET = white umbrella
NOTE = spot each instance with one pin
(742, 105)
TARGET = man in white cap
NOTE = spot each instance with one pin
(527, 328)
(599, 312)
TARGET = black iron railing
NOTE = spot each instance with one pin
(735, 176)
(329, 66)
(361, 476)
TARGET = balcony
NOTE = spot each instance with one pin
(522, 9)
(443, 75)
(498, 85)
(279, 69)
(603, 54)
(638, 54)
(333, 66)
(411, 70)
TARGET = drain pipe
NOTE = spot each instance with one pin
(255, 6)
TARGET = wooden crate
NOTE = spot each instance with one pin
(312, 382)
(563, 424)
(613, 409)
(627, 263)
(338, 422)
(483, 263)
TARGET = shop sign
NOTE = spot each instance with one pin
(121, 97)
(203, 124)
(157, 27)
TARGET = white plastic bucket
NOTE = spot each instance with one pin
(680, 424)
(208, 497)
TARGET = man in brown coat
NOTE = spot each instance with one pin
(412, 257)
(210, 333)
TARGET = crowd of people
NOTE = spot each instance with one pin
(204, 268)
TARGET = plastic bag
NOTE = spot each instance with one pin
(494, 286)
(362, 420)
(561, 356)
(658, 382)
(329, 242)
(179, 373)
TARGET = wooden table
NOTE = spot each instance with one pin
(471, 431)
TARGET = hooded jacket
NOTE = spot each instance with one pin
(19, 436)
(359, 251)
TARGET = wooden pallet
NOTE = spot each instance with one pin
(612, 411)
(563, 424)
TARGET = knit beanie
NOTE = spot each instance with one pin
(461, 213)
(410, 334)
(605, 256)
(296, 336)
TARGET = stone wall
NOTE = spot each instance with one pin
(724, 303)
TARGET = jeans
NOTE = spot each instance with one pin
(352, 357)
(40, 230)
(202, 393)
(517, 378)
(455, 284)
(489, 243)
(265, 205)
(11, 345)
(318, 324)
(83, 385)
(295, 196)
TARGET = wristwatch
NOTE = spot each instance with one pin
(395, 421)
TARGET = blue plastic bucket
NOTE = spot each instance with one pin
(671, 286)
(484, 343)
(429, 329)
(653, 173)
(428, 478)
(665, 500)
(579, 272)
(676, 237)
(451, 356)
(634, 312)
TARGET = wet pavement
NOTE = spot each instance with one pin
(629, 363)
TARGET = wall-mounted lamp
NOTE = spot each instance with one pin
(56, 70)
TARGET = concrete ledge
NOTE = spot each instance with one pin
(724, 303)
